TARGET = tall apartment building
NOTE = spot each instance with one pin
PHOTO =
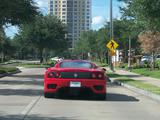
(76, 14)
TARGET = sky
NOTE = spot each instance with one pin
(100, 13)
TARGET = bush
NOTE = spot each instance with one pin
(157, 63)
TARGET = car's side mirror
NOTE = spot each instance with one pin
(104, 69)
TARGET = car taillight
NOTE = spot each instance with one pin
(100, 76)
(53, 75)
(93, 75)
(97, 75)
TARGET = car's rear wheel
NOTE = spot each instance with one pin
(48, 95)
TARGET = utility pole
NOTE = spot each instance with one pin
(111, 32)
(129, 54)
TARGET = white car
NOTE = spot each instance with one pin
(157, 57)
(145, 59)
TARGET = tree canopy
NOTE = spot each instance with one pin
(47, 32)
(17, 12)
(145, 12)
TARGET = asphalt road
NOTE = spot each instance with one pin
(21, 98)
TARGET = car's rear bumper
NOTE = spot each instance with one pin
(63, 86)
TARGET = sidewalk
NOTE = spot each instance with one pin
(135, 76)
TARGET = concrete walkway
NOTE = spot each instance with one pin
(142, 78)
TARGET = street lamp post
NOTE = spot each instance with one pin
(129, 55)
(111, 32)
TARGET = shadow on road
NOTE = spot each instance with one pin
(28, 76)
(120, 97)
(21, 92)
(34, 117)
(23, 82)
(110, 97)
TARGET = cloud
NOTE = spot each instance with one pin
(97, 20)
(43, 5)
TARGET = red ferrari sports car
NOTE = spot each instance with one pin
(75, 77)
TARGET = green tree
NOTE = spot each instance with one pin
(146, 13)
(86, 44)
(47, 32)
(92, 42)
(17, 12)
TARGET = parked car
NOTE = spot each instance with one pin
(145, 60)
(157, 57)
(75, 77)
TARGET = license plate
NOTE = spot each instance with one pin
(75, 84)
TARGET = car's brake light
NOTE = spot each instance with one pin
(53, 75)
(97, 75)
(93, 75)
(100, 76)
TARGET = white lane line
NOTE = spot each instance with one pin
(29, 107)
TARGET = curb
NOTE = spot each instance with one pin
(137, 90)
(10, 73)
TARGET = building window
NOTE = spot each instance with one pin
(87, 24)
(51, 12)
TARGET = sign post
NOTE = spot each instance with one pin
(112, 46)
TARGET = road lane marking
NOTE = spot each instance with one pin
(29, 107)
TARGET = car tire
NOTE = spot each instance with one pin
(48, 95)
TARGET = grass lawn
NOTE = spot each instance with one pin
(7, 69)
(147, 72)
(141, 85)
(136, 83)
(34, 65)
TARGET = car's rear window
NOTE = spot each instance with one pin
(75, 64)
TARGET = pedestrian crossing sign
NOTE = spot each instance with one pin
(112, 45)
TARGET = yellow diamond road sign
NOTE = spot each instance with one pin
(112, 45)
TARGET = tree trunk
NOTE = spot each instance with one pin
(152, 61)
(41, 55)
(2, 56)
(99, 56)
